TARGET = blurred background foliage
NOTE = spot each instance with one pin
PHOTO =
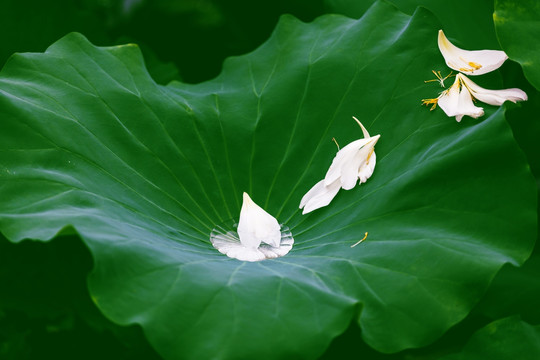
(194, 35)
(45, 308)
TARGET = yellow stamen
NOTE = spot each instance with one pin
(464, 84)
(476, 66)
(428, 102)
(364, 238)
(335, 141)
(437, 75)
(439, 78)
(370, 153)
(473, 67)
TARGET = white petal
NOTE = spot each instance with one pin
(366, 170)
(344, 172)
(364, 131)
(350, 170)
(493, 97)
(319, 195)
(343, 156)
(348, 160)
(458, 103)
(227, 242)
(243, 253)
(256, 226)
(470, 62)
(285, 246)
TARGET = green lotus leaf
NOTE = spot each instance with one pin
(508, 338)
(518, 27)
(144, 172)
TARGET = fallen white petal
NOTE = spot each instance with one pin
(319, 195)
(366, 170)
(493, 97)
(457, 101)
(364, 130)
(476, 62)
(347, 165)
(349, 160)
(256, 225)
(228, 243)
(353, 162)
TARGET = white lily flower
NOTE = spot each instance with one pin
(458, 99)
(476, 62)
(258, 236)
(355, 162)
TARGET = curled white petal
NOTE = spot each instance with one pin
(256, 226)
(366, 170)
(457, 101)
(344, 156)
(476, 62)
(319, 195)
(364, 130)
(355, 162)
(349, 160)
(493, 97)
(258, 235)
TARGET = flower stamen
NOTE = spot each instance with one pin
(369, 155)
(432, 102)
(474, 65)
(335, 141)
(439, 77)
(364, 238)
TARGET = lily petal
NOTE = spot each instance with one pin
(493, 97)
(364, 130)
(457, 101)
(243, 253)
(344, 156)
(366, 170)
(349, 160)
(476, 62)
(349, 170)
(355, 161)
(227, 242)
(359, 168)
(319, 195)
(256, 226)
